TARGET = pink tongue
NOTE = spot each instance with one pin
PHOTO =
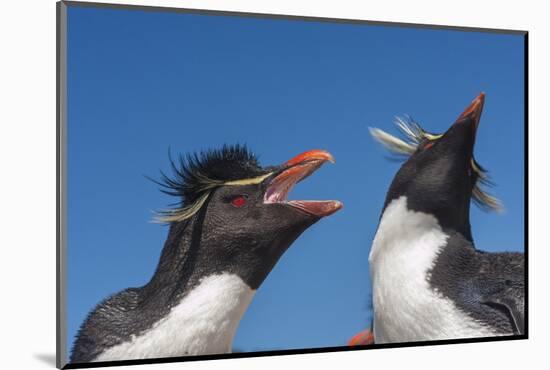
(278, 192)
(282, 184)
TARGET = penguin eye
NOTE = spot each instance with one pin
(239, 201)
(428, 145)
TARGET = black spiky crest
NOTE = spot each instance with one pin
(196, 175)
(413, 134)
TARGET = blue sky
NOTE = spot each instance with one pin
(141, 82)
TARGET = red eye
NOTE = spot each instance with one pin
(238, 202)
(429, 145)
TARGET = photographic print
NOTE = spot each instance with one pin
(237, 184)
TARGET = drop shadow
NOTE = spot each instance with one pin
(47, 358)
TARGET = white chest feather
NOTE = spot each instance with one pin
(204, 322)
(406, 309)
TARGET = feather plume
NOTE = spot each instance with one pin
(413, 134)
(195, 176)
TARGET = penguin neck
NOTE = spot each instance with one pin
(178, 269)
(453, 218)
(403, 225)
(185, 262)
(194, 307)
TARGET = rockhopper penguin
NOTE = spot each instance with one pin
(429, 282)
(233, 224)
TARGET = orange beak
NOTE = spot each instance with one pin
(311, 155)
(363, 338)
(474, 110)
(297, 169)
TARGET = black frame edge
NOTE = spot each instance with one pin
(288, 352)
(526, 175)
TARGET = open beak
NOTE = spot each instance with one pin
(473, 112)
(294, 171)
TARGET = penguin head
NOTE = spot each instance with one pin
(440, 175)
(241, 218)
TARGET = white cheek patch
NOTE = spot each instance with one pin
(406, 309)
(204, 322)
